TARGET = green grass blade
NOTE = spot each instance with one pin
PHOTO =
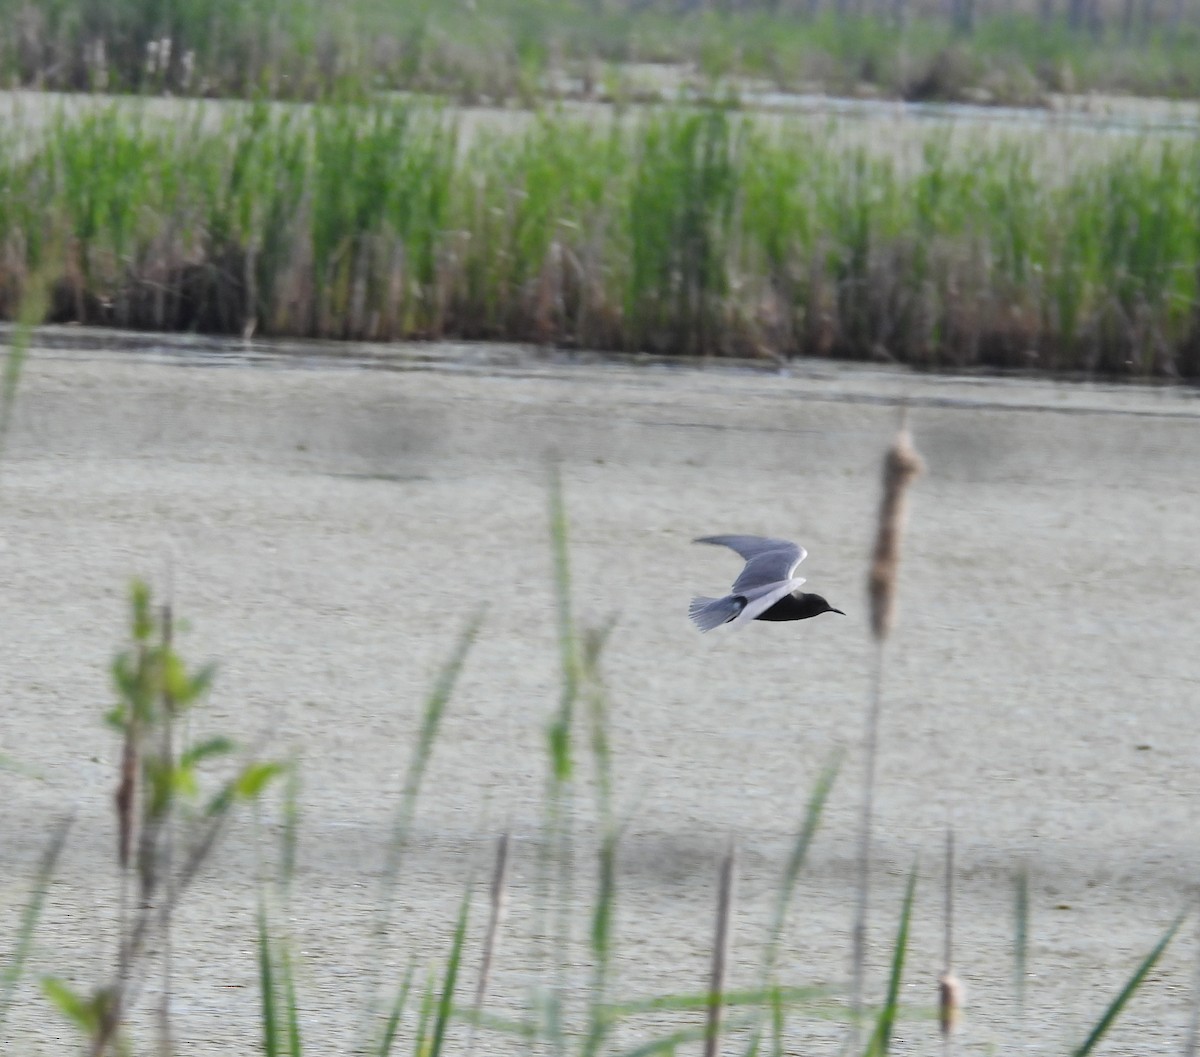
(397, 1011)
(267, 986)
(446, 1002)
(560, 728)
(428, 1002)
(778, 1014)
(30, 313)
(1128, 991)
(86, 1013)
(293, 1014)
(1021, 937)
(881, 1039)
(435, 707)
(592, 645)
(290, 837)
(30, 915)
(556, 856)
(599, 1019)
(755, 1044)
(808, 830)
(431, 719)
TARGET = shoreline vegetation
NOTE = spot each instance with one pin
(695, 231)
(497, 51)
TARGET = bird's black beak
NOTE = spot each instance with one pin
(832, 610)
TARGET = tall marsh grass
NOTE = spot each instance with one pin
(674, 232)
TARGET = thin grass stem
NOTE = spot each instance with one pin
(18, 957)
(498, 905)
(722, 942)
(863, 869)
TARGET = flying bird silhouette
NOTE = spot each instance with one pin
(766, 588)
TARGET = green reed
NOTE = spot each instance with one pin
(689, 232)
(680, 214)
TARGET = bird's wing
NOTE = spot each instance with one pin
(768, 561)
(763, 598)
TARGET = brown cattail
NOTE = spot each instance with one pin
(900, 466)
(950, 989)
(950, 1001)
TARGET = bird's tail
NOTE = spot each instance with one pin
(709, 613)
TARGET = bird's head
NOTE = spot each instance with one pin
(821, 606)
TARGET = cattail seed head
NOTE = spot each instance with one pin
(951, 994)
(901, 465)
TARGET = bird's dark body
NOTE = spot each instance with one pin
(766, 589)
(796, 607)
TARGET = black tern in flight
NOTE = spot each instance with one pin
(765, 590)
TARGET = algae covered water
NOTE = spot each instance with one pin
(328, 527)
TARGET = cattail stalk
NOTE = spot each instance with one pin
(948, 931)
(901, 466)
(720, 959)
(950, 989)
